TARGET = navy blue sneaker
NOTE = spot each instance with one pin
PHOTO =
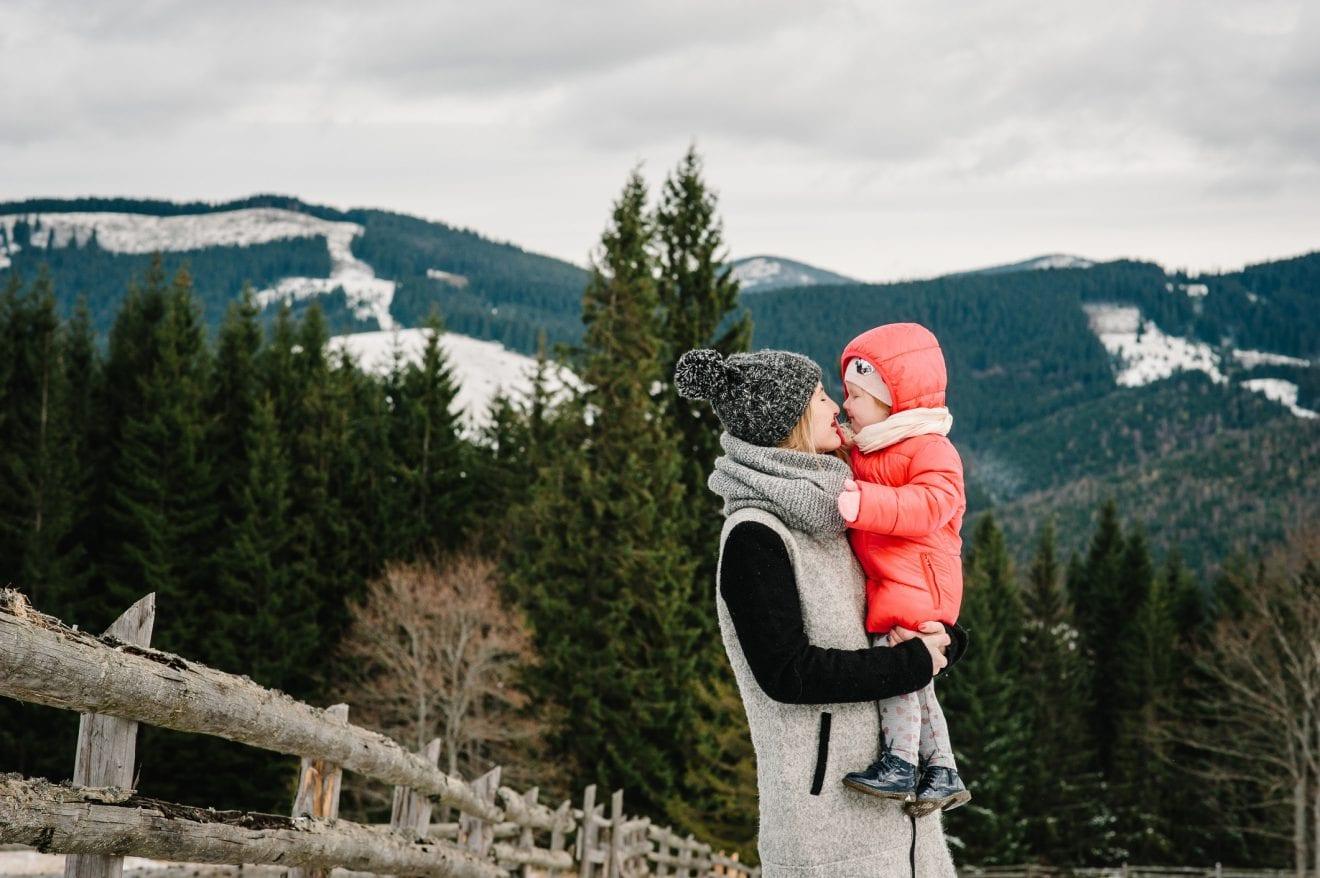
(940, 789)
(890, 778)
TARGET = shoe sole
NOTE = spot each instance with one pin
(879, 794)
(921, 809)
(957, 800)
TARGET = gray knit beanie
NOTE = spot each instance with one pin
(759, 397)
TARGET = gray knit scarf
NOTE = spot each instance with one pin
(801, 489)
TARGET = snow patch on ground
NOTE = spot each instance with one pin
(1252, 359)
(482, 369)
(1192, 291)
(1280, 391)
(1143, 352)
(456, 280)
(368, 295)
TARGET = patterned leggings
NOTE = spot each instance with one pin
(913, 725)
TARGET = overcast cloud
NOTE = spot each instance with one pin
(878, 139)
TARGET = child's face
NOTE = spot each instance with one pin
(863, 409)
(824, 434)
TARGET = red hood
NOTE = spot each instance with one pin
(909, 359)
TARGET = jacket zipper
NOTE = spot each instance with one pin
(931, 583)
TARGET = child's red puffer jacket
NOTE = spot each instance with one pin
(906, 535)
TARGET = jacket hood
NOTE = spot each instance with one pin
(908, 358)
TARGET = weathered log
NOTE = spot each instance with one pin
(107, 745)
(539, 858)
(56, 819)
(46, 662)
(519, 809)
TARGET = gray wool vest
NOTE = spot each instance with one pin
(811, 826)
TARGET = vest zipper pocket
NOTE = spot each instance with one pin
(932, 583)
(822, 754)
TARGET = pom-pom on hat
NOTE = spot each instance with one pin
(758, 397)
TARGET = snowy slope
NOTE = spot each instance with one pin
(1038, 263)
(1143, 353)
(1280, 391)
(368, 295)
(481, 368)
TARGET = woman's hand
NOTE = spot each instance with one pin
(934, 636)
(937, 643)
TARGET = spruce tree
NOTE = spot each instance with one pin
(699, 308)
(1068, 822)
(1096, 586)
(985, 701)
(431, 459)
(600, 562)
(41, 495)
(1150, 666)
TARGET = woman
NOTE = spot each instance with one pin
(791, 611)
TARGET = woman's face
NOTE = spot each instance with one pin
(824, 429)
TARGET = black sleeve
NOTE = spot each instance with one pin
(760, 590)
(957, 645)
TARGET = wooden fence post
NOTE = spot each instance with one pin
(107, 744)
(559, 835)
(318, 790)
(474, 833)
(527, 838)
(410, 814)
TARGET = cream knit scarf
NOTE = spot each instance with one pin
(904, 425)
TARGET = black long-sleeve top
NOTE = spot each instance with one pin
(760, 589)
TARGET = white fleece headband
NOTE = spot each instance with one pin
(865, 376)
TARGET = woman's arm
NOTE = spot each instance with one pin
(760, 590)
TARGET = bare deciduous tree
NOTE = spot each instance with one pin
(433, 652)
(1257, 717)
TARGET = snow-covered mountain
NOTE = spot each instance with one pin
(115, 232)
(757, 274)
(1036, 263)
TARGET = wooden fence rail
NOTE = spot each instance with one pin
(118, 680)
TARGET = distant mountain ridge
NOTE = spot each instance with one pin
(1068, 378)
(1036, 263)
(756, 274)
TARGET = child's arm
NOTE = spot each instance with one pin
(922, 506)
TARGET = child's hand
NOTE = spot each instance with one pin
(850, 501)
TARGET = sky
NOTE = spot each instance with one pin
(882, 140)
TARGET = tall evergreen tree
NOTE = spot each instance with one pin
(698, 296)
(1068, 822)
(1102, 612)
(986, 703)
(600, 561)
(430, 457)
(41, 494)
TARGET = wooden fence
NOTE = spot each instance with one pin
(1127, 871)
(117, 681)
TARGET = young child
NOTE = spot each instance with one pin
(904, 512)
